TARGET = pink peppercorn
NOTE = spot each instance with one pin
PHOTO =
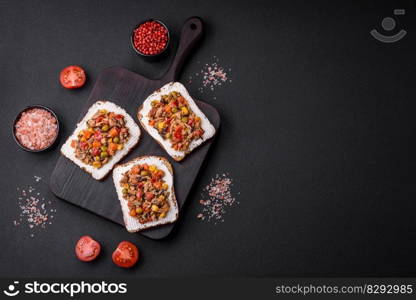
(150, 38)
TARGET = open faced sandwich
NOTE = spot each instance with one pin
(173, 119)
(103, 137)
(145, 190)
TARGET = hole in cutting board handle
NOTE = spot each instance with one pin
(193, 26)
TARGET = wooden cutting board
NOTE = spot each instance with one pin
(129, 90)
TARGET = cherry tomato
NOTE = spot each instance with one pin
(87, 249)
(72, 77)
(126, 255)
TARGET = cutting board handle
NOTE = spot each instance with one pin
(191, 33)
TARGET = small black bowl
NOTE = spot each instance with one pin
(17, 119)
(147, 55)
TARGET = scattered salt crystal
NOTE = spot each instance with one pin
(212, 75)
(33, 208)
(216, 198)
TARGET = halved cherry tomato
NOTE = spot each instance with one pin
(72, 77)
(126, 255)
(87, 249)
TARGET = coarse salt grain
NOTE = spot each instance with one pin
(211, 76)
(33, 210)
(36, 129)
(216, 197)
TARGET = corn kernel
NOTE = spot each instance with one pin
(155, 207)
(161, 125)
(96, 164)
(185, 111)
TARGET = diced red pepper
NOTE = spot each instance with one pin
(113, 132)
(178, 133)
(135, 169)
(98, 136)
(149, 196)
(96, 144)
(198, 132)
(139, 194)
(96, 151)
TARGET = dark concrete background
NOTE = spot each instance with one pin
(317, 129)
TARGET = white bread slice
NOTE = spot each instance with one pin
(134, 132)
(143, 112)
(132, 223)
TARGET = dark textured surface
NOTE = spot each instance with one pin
(317, 131)
(128, 90)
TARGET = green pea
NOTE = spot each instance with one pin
(105, 127)
(116, 140)
(104, 154)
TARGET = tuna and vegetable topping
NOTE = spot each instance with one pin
(146, 191)
(106, 133)
(175, 121)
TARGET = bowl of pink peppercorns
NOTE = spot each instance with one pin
(150, 38)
